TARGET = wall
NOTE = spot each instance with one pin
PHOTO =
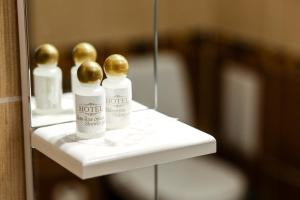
(112, 21)
(273, 23)
(269, 22)
(93, 20)
(11, 142)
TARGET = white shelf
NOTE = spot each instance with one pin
(67, 113)
(152, 138)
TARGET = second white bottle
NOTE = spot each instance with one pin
(118, 91)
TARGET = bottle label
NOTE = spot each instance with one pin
(48, 92)
(118, 104)
(90, 114)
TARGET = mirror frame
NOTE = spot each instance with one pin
(25, 87)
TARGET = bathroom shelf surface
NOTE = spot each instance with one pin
(67, 113)
(152, 138)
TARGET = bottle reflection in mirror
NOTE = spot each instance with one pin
(81, 52)
(47, 77)
(90, 101)
(118, 91)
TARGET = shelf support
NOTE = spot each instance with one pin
(155, 55)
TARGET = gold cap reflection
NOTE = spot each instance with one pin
(116, 65)
(84, 52)
(89, 72)
(46, 54)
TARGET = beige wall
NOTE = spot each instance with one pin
(270, 22)
(71, 21)
(178, 15)
(274, 23)
(113, 20)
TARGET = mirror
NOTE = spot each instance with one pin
(111, 26)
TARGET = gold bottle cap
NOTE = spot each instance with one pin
(46, 54)
(116, 65)
(84, 52)
(89, 72)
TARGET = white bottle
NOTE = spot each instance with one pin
(47, 77)
(90, 101)
(81, 52)
(118, 90)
